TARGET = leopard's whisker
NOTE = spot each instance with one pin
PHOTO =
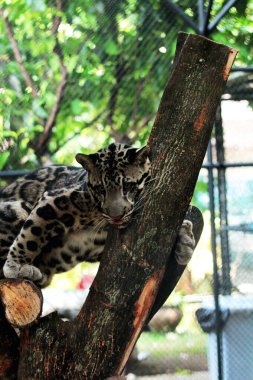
(98, 227)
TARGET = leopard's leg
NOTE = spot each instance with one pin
(45, 280)
(180, 256)
(14, 269)
(12, 216)
(185, 243)
(36, 236)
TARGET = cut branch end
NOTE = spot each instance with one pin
(22, 301)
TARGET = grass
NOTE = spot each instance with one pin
(160, 344)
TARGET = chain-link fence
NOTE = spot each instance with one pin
(76, 75)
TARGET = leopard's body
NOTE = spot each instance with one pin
(56, 217)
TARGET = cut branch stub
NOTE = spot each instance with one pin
(22, 301)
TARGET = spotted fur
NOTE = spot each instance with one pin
(56, 217)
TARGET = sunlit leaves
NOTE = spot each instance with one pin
(111, 48)
(4, 158)
(37, 5)
(118, 56)
(76, 106)
(38, 110)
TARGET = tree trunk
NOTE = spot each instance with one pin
(97, 344)
(9, 352)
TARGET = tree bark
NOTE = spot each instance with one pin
(9, 349)
(17, 54)
(97, 344)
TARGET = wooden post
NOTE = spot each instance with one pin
(97, 344)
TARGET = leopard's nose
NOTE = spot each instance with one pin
(113, 215)
(115, 205)
(117, 217)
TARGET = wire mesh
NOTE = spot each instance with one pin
(117, 55)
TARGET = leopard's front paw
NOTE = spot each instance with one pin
(185, 243)
(12, 269)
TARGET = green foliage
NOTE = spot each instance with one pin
(236, 30)
(114, 70)
(200, 197)
(117, 55)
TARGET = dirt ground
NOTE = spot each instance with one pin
(151, 366)
(194, 376)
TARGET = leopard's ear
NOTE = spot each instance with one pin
(87, 161)
(138, 156)
(142, 155)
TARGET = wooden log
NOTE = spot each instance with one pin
(98, 343)
(22, 301)
(21, 305)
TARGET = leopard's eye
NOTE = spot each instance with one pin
(99, 190)
(128, 186)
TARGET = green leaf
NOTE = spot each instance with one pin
(38, 110)
(37, 5)
(3, 159)
(11, 134)
(111, 48)
(76, 106)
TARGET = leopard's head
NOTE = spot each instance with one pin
(116, 178)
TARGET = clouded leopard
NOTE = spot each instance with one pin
(58, 216)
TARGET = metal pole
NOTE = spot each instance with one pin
(218, 327)
(201, 11)
(222, 189)
(212, 25)
(207, 18)
(248, 69)
(176, 8)
(13, 173)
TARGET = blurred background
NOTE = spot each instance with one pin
(77, 75)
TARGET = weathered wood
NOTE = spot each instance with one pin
(97, 344)
(22, 301)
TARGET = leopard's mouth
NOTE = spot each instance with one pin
(118, 222)
(121, 225)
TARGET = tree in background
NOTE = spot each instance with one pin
(81, 73)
